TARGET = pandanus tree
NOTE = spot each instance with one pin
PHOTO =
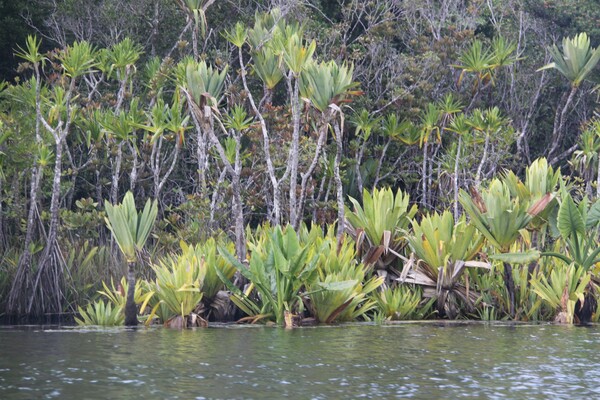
(429, 128)
(377, 227)
(75, 61)
(444, 249)
(587, 159)
(131, 230)
(203, 86)
(326, 86)
(499, 217)
(22, 282)
(462, 129)
(364, 124)
(575, 62)
(540, 180)
(393, 130)
(195, 12)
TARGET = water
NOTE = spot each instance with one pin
(358, 361)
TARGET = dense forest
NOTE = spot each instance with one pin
(299, 161)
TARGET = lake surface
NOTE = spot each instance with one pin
(424, 360)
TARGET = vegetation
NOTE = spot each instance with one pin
(305, 164)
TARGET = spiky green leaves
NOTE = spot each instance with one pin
(577, 59)
(204, 83)
(130, 228)
(326, 83)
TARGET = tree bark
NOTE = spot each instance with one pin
(510, 288)
(338, 182)
(130, 307)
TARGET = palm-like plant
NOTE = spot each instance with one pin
(585, 160)
(444, 249)
(178, 290)
(376, 226)
(278, 269)
(101, 314)
(561, 292)
(576, 61)
(574, 222)
(499, 217)
(130, 229)
(401, 303)
(204, 83)
(340, 291)
(195, 11)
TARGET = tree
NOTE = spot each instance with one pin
(130, 229)
(576, 61)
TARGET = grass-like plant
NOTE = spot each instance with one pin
(100, 313)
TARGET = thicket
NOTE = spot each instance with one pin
(289, 116)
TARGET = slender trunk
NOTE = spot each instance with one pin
(338, 182)
(306, 176)
(201, 157)
(510, 288)
(114, 187)
(294, 152)
(215, 197)
(98, 185)
(154, 31)
(195, 42)
(380, 163)
(51, 272)
(130, 307)
(238, 212)
(559, 123)
(455, 178)
(22, 281)
(276, 214)
(168, 173)
(134, 168)
(483, 158)
(359, 156)
(424, 177)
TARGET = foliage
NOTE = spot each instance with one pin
(278, 269)
(401, 303)
(339, 293)
(100, 313)
(378, 223)
(130, 227)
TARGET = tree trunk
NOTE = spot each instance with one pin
(338, 182)
(22, 281)
(483, 159)
(455, 178)
(49, 277)
(424, 177)
(114, 187)
(306, 175)
(510, 288)
(294, 152)
(130, 307)
(559, 123)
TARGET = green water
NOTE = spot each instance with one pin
(409, 360)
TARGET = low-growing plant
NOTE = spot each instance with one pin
(402, 303)
(177, 290)
(100, 313)
(280, 265)
(340, 291)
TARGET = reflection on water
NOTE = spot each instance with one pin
(407, 360)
